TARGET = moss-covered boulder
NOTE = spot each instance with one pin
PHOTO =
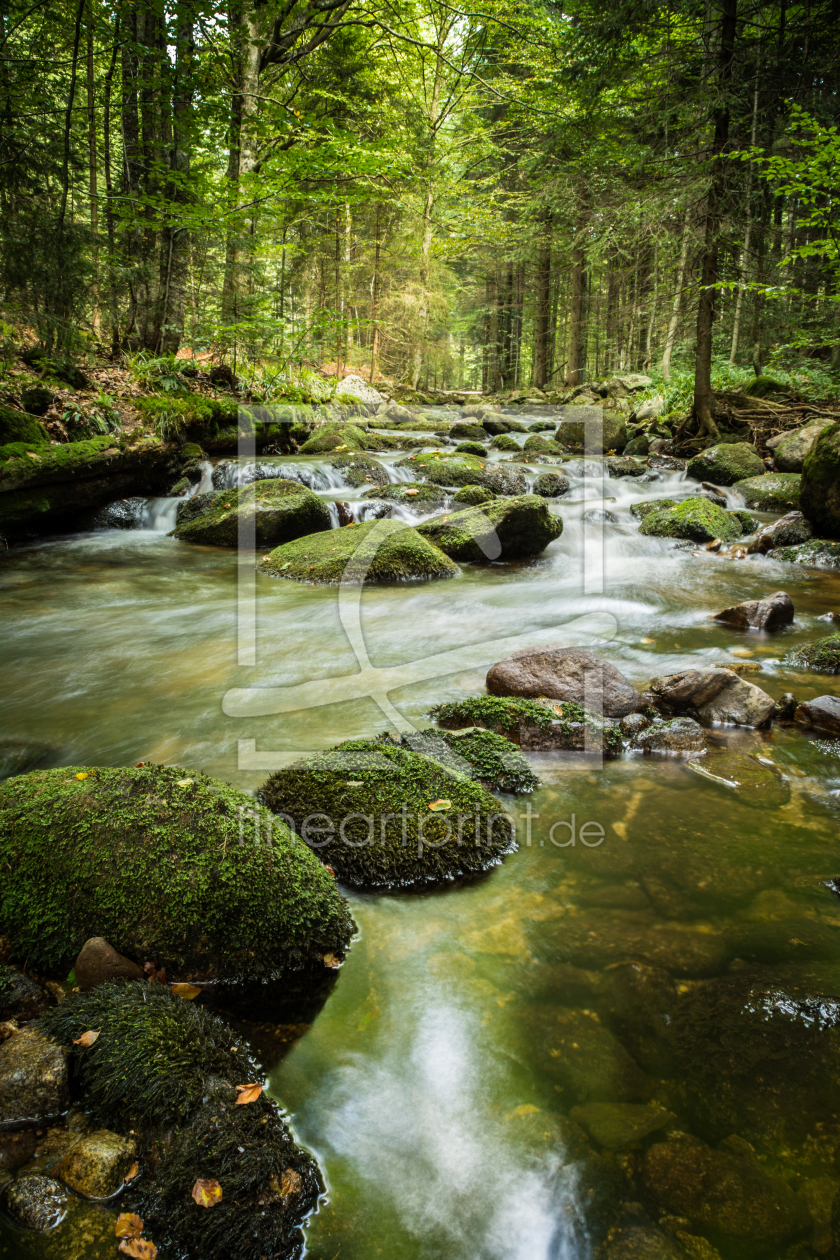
(594, 433)
(263, 514)
(443, 469)
(166, 1072)
(536, 445)
(791, 452)
(167, 864)
(820, 489)
(816, 554)
(464, 430)
(504, 529)
(418, 497)
(641, 510)
(725, 463)
(493, 422)
(698, 520)
(360, 470)
(18, 426)
(534, 724)
(773, 492)
(373, 551)
(551, 485)
(822, 657)
(380, 814)
(339, 436)
(504, 442)
(471, 448)
(473, 495)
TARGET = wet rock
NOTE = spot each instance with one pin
(38, 1203)
(565, 674)
(621, 1124)
(681, 735)
(696, 519)
(360, 470)
(536, 445)
(471, 448)
(713, 493)
(820, 488)
(822, 714)
(725, 464)
(759, 614)
(633, 724)
(639, 1242)
(600, 516)
(670, 463)
(21, 998)
(784, 940)
(639, 445)
(637, 1002)
(474, 496)
(211, 908)
(597, 432)
(263, 514)
(727, 1197)
(772, 492)
(33, 1078)
(760, 1057)
(715, 695)
(822, 657)
(336, 435)
(464, 431)
(586, 1060)
(786, 706)
(507, 528)
(641, 510)
(369, 552)
(96, 1166)
(98, 962)
(540, 724)
(753, 780)
(790, 531)
(16, 1149)
(625, 466)
(790, 452)
(551, 485)
(397, 414)
(599, 941)
(816, 554)
(123, 514)
(420, 498)
(464, 470)
(494, 423)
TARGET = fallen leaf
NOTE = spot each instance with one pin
(184, 782)
(138, 1248)
(248, 1093)
(186, 991)
(138, 765)
(437, 806)
(132, 1172)
(206, 1193)
(86, 1039)
(83, 774)
(330, 960)
(290, 1182)
(128, 1225)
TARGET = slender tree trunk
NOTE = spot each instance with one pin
(175, 237)
(61, 303)
(374, 305)
(673, 322)
(113, 307)
(92, 181)
(519, 307)
(338, 325)
(543, 307)
(242, 158)
(576, 358)
(745, 253)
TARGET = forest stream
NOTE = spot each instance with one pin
(445, 1124)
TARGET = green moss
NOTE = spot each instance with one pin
(504, 442)
(641, 510)
(773, 492)
(764, 385)
(496, 762)
(696, 519)
(410, 495)
(168, 865)
(337, 436)
(379, 828)
(747, 522)
(374, 551)
(358, 470)
(726, 463)
(263, 514)
(822, 657)
(820, 488)
(470, 431)
(443, 469)
(817, 553)
(18, 426)
(471, 448)
(53, 462)
(166, 1070)
(473, 495)
(509, 528)
(168, 414)
(506, 715)
(536, 445)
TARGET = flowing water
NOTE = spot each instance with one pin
(430, 1085)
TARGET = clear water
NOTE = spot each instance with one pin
(435, 1110)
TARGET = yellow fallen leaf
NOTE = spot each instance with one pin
(290, 1182)
(437, 806)
(207, 1193)
(128, 1225)
(184, 782)
(132, 1173)
(330, 960)
(86, 1039)
(248, 1093)
(83, 774)
(138, 1248)
(186, 991)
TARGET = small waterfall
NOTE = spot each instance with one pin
(206, 484)
(158, 515)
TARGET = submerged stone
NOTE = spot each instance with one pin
(379, 814)
(38, 1203)
(621, 1124)
(227, 891)
(822, 657)
(96, 1166)
(373, 551)
(33, 1079)
(587, 1061)
(695, 519)
(262, 514)
(599, 941)
(746, 776)
(772, 492)
(508, 528)
(726, 463)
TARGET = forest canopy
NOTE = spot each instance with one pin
(446, 195)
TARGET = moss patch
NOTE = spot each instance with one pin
(374, 551)
(508, 715)
(167, 1070)
(641, 510)
(18, 426)
(374, 802)
(463, 470)
(695, 519)
(357, 470)
(774, 492)
(820, 489)
(495, 761)
(818, 554)
(338, 436)
(164, 863)
(504, 442)
(536, 445)
(471, 448)
(473, 495)
(822, 657)
(507, 528)
(725, 463)
(263, 514)
(411, 495)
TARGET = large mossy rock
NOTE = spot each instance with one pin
(359, 470)
(165, 1071)
(374, 551)
(18, 426)
(641, 510)
(595, 434)
(725, 464)
(170, 866)
(536, 445)
(418, 497)
(465, 431)
(819, 553)
(505, 529)
(773, 492)
(338, 436)
(443, 469)
(263, 514)
(820, 488)
(790, 454)
(382, 815)
(822, 657)
(474, 496)
(696, 519)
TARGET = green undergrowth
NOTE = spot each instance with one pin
(169, 865)
(167, 1070)
(169, 415)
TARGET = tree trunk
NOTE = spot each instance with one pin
(92, 183)
(61, 304)
(113, 307)
(175, 239)
(374, 301)
(543, 308)
(242, 159)
(576, 357)
(745, 253)
(673, 322)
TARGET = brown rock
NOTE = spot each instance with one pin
(713, 696)
(39, 1203)
(823, 714)
(98, 962)
(568, 673)
(33, 1078)
(759, 614)
(96, 1166)
(21, 999)
(15, 1149)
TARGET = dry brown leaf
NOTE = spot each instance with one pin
(290, 1183)
(249, 1093)
(330, 960)
(132, 1172)
(138, 1248)
(128, 1225)
(86, 1039)
(207, 1193)
(186, 991)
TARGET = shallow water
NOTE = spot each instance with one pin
(425, 1084)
